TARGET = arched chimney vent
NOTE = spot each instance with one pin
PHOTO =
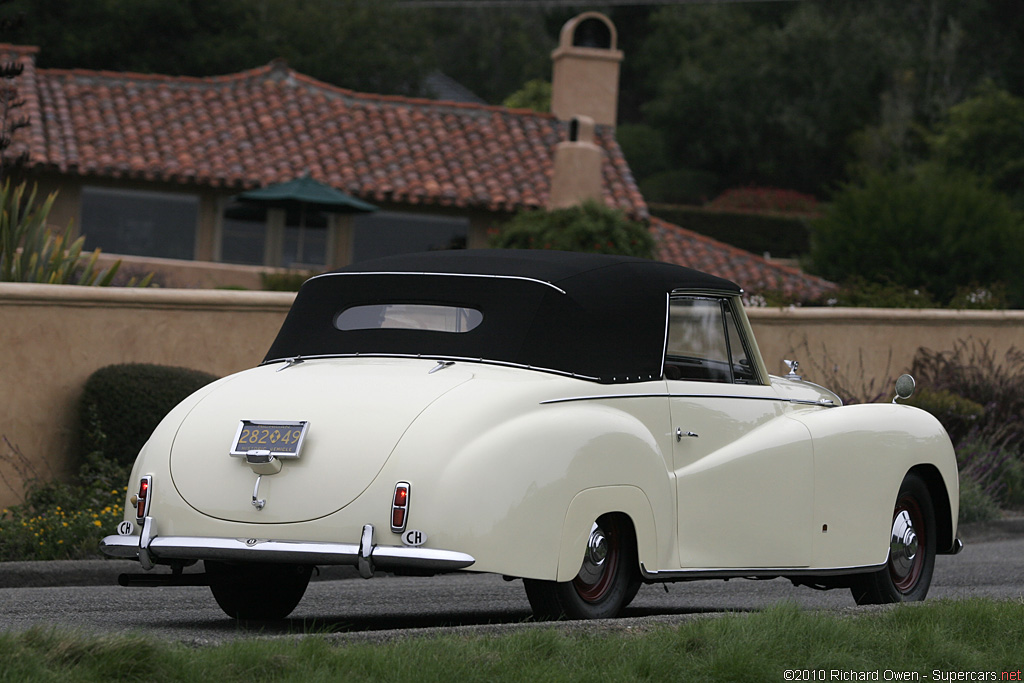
(585, 70)
(592, 32)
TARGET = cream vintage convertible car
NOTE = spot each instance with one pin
(586, 423)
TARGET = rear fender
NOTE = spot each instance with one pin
(505, 496)
(587, 507)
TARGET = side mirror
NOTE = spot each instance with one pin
(905, 386)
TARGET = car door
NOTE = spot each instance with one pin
(744, 471)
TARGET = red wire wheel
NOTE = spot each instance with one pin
(607, 580)
(907, 573)
(908, 544)
(600, 563)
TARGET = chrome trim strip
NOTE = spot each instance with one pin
(600, 397)
(495, 277)
(760, 572)
(303, 552)
(668, 321)
(464, 359)
(605, 397)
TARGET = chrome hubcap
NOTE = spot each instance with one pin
(902, 545)
(597, 553)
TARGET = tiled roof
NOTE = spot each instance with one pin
(272, 124)
(754, 274)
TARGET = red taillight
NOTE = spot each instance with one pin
(142, 500)
(400, 507)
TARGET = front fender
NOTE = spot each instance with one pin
(861, 455)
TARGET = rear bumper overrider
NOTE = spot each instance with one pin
(149, 549)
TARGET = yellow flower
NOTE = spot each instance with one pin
(98, 523)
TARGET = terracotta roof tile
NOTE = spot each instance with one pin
(753, 273)
(273, 124)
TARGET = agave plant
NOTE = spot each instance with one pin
(31, 251)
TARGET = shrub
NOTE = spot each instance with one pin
(781, 236)
(61, 521)
(287, 281)
(764, 200)
(985, 467)
(975, 504)
(31, 252)
(957, 414)
(122, 404)
(989, 444)
(677, 185)
(590, 227)
(972, 371)
(929, 228)
(857, 292)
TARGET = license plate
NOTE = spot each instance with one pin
(281, 439)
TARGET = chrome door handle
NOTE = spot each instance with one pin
(680, 434)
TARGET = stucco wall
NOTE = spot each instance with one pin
(53, 337)
(866, 348)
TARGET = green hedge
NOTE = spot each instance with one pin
(781, 236)
(122, 404)
(589, 227)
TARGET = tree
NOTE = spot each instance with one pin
(29, 250)
(985, 135)
(589, 227)
(370, 47)
(764, 96)
(535, 95)
(929, 228)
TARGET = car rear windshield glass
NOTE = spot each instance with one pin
(430, 318)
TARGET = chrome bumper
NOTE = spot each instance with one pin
(150, 548)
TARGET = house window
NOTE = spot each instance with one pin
(138, 223)
(243, 234)
(305, 238)
(386, 233)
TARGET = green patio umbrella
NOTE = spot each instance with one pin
(306, 193)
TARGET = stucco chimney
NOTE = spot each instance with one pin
(577, 172)
(585, 70)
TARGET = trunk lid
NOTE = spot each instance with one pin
(357, 410)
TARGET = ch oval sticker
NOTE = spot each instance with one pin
(414, 537)
(125, 529)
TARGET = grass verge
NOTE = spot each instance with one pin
(975, 639)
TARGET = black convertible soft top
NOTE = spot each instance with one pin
(598, 317)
